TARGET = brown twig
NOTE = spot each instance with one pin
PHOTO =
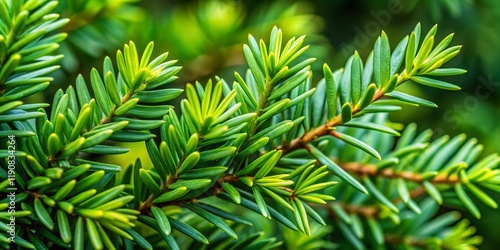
(322, 130)
(372, 170)
(365, 211)
(408, 240)
(215, 189)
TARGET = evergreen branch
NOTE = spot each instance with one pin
(22, 30)
(415, 69)
(27, 44)
(432, 167)
(420, 234)
(323, 130)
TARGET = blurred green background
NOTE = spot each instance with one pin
(206, 37)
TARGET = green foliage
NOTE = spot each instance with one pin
(306, 155)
